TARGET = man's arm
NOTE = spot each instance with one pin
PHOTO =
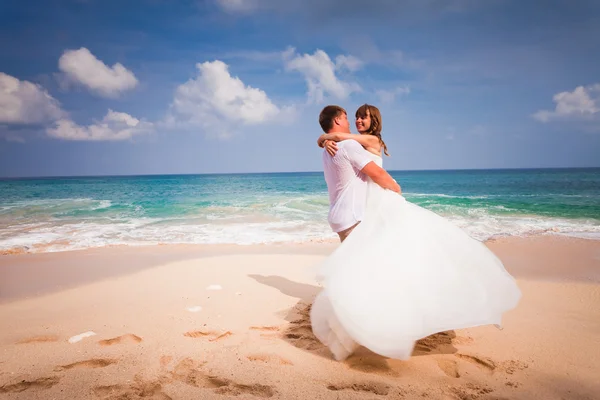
(362, 161)
(381, 177)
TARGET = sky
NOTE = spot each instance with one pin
(90, 87)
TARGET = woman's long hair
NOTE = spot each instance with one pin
(375, 128)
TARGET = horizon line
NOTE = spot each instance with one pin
(281, 172)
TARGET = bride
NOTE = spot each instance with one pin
(404, 273)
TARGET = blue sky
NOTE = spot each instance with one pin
(216, 86)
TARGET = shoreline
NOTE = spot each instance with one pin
(38, 249)
(79, 267)
(310, 242)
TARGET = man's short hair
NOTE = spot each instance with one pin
(328, 114)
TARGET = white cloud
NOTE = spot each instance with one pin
(319, 72)
(220, 102)
(23, 102)
(388, 96)
(114, 126)
(350, 63)
(581, 103)
(82, 67)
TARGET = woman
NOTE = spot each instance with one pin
(404, 273)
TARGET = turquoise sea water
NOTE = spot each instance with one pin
(54, 214)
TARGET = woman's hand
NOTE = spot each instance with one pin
(331, 147)
(323, 138)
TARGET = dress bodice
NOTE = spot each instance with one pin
(377, 159)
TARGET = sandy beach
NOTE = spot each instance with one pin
(212, 322)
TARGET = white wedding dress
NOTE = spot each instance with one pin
(405, 273)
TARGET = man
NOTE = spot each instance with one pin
(346, 175)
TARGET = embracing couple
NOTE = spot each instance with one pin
(402, 272)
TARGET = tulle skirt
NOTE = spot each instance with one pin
(405, 273)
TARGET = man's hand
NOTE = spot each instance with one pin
(393, 186)
(331, 147)
(399, 191)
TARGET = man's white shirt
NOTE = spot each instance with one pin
(347, 186)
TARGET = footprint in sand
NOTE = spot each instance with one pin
(39, 339)
(236, 389)
(221, 336)
(165, 361)
(213, 336)
(127, 338)
(40, 383)
(364, 360)
(482, 362)
(303, 338)
(377, 388)
(512, 366)
(267, 332)
(265, 328)
(93, 363)
(449, 367)
(269, 359)
(469, 391)
(299, 332)
(509, 367)
(188, 371)
(200, 334)
(138, 389)
(439, 343)
(370, 365)
(462, 340)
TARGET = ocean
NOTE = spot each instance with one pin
(58, 214)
